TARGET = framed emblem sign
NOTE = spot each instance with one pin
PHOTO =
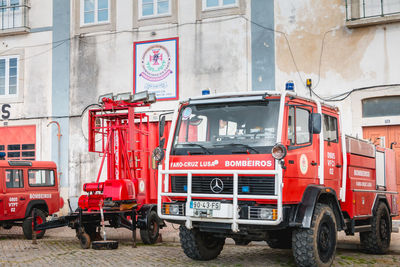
(156, 68)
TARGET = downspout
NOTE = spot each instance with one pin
(59, 145)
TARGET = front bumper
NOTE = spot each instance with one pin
(232, 211)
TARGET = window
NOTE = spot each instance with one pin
(9, 76)
(41, 177)
(154, 8)
(212, 4)
(95, 12)
(14, 179)
(381, 106)
(298, 126)
(361, 9)
(13, 14)
(20, 152)
(330, 129)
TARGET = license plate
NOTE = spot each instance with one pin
(207, 205)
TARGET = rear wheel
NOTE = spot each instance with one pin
(27, 225)
(149, 235)
(200, 245)
(316, 246)
(84, 240)
(377, 241)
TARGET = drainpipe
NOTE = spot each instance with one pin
(59, 152)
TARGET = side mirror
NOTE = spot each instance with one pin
(161, 127)
(315, 123)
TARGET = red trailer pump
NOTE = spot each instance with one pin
(276, 167)
(127, 197)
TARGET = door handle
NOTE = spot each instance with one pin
(313, 163)
(338, 166)
(21, 198)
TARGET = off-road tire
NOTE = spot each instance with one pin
(281, 239)
(200, 245)
(84, 240)
(316, 246)
(377, 241)
(27, 225)
(150, 235)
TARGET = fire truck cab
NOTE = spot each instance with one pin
(276, 167)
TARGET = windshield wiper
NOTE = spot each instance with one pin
(239, 144)
(201, 146)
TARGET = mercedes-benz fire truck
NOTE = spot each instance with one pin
(276, 167)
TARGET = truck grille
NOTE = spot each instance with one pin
(247, 185)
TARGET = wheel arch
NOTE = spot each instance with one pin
(380, 198)
(38, 204)
(143, 214)
(317, 194)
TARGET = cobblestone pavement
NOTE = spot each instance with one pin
(59, 247)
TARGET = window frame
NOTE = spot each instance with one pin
(296, 145)
(155, 6)
(325, 132)
(96, 13)
(41, 185)
(220, 5)
(21, 171)
(7, 76)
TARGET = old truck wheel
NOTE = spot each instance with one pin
(377, 241)
(28, 223)
(316, 246)
(149, 236)
(84, 240)
(200, 245)
(280, 239)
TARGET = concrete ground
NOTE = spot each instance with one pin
(60, 247)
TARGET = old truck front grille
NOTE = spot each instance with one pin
(247, 185)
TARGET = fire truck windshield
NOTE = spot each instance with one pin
(227, 128)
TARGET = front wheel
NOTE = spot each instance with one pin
(200, 245)
(316, 246)
(377, 241)
(27, 225)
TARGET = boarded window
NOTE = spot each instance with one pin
(381, 106)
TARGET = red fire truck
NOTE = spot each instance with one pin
(276, 167)
(24, 186)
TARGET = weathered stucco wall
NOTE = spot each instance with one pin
(213, 53)
(351, 58)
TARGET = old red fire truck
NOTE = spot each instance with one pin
(128, 195)
(276, 167)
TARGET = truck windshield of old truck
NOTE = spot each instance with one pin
(227, 128)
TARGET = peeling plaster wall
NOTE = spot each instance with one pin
(213, 53)
(351, 58)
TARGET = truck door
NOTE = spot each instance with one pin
(15, 197)
(332, 152)
(303, 147)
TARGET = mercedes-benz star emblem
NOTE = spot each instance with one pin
(216, 185)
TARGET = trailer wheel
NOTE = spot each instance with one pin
(377, 241)
(149, 236)
(200, 245)
(281, 239)
(84, 240)
(316, 246)
(28, 223)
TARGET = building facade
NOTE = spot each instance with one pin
(58, 56)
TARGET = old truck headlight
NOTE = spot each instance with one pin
(279, 151)
(266, 214)
(174, 209)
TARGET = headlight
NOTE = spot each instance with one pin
(174, 209)
(266, 214)
(158, 154)
(279, 151)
